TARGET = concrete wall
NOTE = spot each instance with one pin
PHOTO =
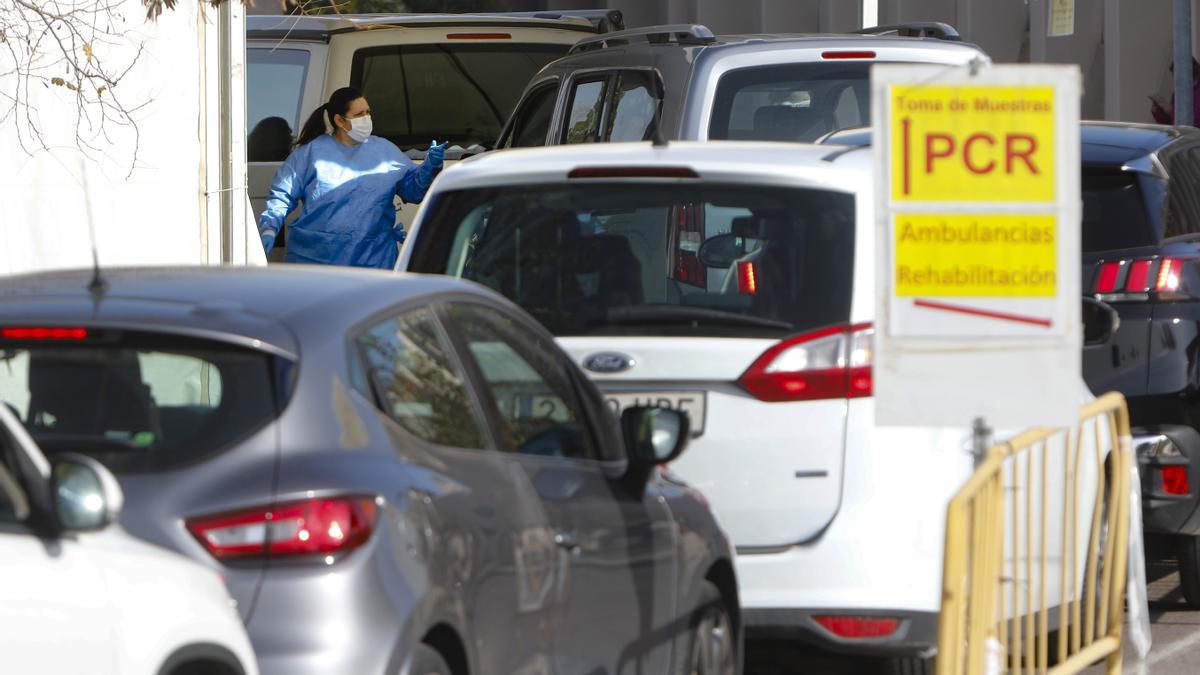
(1123, 47)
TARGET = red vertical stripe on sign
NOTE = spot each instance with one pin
(907, 124)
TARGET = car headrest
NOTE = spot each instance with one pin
(783, 122)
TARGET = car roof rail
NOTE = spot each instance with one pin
(918, 29)
(681, 34)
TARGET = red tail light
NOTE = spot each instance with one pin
(826, 364)
(43, 333)
(747, 278)
(859, 627)
(1138, 280)
(1168, 275)
(1175, 480)
(848, 55)
(1107, 281)
(1133, 280)
(479, 36)
(311, 527)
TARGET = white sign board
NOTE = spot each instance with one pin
(979, 261)
(1062, 18)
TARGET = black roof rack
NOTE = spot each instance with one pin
(682, 34)
(919, 29)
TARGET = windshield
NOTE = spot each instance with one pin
(793, 102)
(137, 402)
(625, 259)
(461, 93)
(1115, 214)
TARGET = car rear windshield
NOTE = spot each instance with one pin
(461, 93)
(624, 259)
(136, 401)
(793, 102)
(1115, 213)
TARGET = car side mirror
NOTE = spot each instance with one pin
(85, 495)
(654, 435)
(1100, 321)
(721, 250)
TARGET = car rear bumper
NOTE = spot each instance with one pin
(915, 634)
(1158, 449)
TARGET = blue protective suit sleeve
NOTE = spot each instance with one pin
(286, 190)
(416, 182)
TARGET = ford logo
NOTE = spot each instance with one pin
(608, 362)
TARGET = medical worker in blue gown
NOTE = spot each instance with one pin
(347, 180)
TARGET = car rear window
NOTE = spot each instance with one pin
(625, 259)
(793, 102)
(1115, 213)
(137, 401)
(462, 93)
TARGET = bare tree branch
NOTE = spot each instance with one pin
(84, 49)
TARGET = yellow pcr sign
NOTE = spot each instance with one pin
(960, 255)
(972, 143)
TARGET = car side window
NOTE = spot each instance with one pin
(531, 122)
(538, 407)
(635, 101)
(1183, 193)
(416, 381)
(274, 86)
(585, 111)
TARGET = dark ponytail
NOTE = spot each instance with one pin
(339, 102)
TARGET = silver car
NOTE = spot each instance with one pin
(393, 473)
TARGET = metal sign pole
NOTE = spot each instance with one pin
(1183, 62)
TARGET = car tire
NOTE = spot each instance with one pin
(1189, 569)
(911, 665)
(712, 641)
(427, 661)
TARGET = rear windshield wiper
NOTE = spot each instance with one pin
(676, 314)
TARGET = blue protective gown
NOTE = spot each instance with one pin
(348, 217)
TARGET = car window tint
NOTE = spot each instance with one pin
(794, 102)
(627, 259)
(534, 397)
(634, 103)
(12, 498)
(1182, 215)
(584, 112)
(531, 122)
(138, 401)
(274, 88)
(462, 93)
(416, 381)
(1115, 215)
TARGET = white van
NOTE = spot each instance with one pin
(734, 281)
(451, 78)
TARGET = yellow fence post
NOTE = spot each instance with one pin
(1001, 556)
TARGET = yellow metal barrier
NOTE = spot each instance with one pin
(1036, 552)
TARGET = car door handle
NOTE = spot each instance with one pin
(566, 541)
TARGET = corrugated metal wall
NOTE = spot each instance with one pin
(1122, 46)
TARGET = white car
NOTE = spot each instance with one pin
(81, 596)
(734, 281)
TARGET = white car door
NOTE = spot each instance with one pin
(55, 612)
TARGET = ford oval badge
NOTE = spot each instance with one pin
(608, 362)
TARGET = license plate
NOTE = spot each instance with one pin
(691, 402)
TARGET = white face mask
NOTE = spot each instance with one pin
(360, 129)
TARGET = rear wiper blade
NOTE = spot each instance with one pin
(673, 314)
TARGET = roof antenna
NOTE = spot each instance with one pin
(97, 285)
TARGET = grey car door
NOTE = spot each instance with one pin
(487, 545)
(620, 546)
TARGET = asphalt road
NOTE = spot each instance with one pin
(1175, 631)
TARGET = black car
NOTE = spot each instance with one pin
(1141, 255)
